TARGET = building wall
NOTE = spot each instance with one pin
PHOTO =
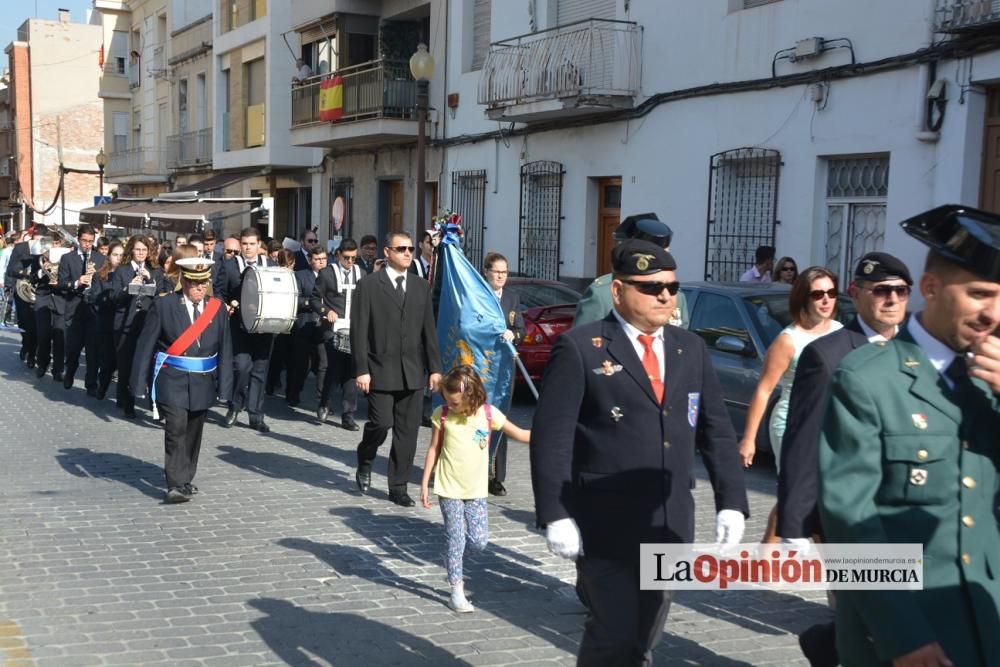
(20, 103)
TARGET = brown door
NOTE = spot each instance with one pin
(609, 211)
(395, 206)
(432, 203)
(989, 193)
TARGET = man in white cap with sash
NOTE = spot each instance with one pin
(186, 340)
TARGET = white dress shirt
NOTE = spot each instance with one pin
(872, 335)
(940, 354)
(393, 274)
(640, 350)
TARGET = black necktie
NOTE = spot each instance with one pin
(194, 318)
(958, 372)
(400, 292)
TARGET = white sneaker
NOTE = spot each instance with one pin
(460, 604)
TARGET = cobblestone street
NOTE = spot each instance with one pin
(279, 559)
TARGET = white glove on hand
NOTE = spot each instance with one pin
(801, 544)
(563, 537)
(729, 525)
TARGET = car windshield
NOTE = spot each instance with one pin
(771, 315)
(533, 295)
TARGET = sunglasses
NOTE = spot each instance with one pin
(883, 291)
(311, 240)
(349, 258)
(788, 268)
(231, 252)
(654, 288)
(404, 248)
(818, 294)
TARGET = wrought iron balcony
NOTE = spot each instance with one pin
(136, 164)
(189, 149)
(961, 15)
(578, 68)
(376, 89)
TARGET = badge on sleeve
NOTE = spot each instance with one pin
(693, 399)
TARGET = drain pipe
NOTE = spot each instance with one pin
(926, 75)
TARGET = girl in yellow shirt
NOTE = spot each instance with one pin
(459, 452)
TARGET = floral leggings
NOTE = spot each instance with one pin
(464, 521)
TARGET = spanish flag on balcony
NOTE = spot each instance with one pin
(331, 99)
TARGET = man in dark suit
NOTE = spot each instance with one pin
(188, 381)
(76, 271)
(19, 268)
(423, 264)
(395, 348)
(48, 307)
(496, 271)
(331, 299)
(306, 345)
(880, 291)
(251, 352)
(626, 402)
(307, 241)
(211, 249)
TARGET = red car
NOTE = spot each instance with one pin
(548, 307)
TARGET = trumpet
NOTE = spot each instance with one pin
(91, 268)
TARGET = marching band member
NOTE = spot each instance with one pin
(76, 274)
(188, 333)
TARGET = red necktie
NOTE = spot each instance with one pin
(651, 365)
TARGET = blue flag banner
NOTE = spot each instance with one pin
(470, 323)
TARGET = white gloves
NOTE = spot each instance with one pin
(801, 544)
(729, 525)
(563, 537)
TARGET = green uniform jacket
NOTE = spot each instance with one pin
(596, 303)
(904, 459)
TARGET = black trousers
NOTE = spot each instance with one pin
(623, 623)
(304, 352)
(278, 362)
(181, 443)
(251, 354)
(107, 359)
(29, 329)
(400, 412)
(51, 347)
(340, 372)
(498, 448)
(125, 350)
(81, 334)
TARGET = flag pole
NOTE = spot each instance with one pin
(524, 371)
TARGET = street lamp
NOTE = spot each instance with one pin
(101, 159)
(422, 68)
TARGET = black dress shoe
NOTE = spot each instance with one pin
(293, 402)
(231, 417)
(497, 488)
(269, 389)
(57, 376)
(102, 393)
(92, 392)
(39, 372)
(426, 421)
(190, 489)
(130, 413)
(23, 355)
(30, 363)
(261, 427)
(401, 498)
(364, 479)
(819, 645)
(67, 381)
(175, 494)
(347, 422)
(322, 412)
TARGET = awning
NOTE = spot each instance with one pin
(103, 213)
(191, 216)
(217, 181)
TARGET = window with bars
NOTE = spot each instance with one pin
(856, 192)
(540, 219)
(468, 198)
(480, 33)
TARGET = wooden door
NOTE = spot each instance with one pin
(609, 211)
(989, 191)
(395, 206)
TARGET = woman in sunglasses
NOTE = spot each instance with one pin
(785, 271)
(812, 304)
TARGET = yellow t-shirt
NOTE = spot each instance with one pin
(463, 467)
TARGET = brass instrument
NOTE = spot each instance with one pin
(24, 286)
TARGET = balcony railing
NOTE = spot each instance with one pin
(966, 14)
(376, 89)
(136, 162)
(593, 57)
(134, 76)
(189, 149)
(158, 66)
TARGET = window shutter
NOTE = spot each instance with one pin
(570, 11)
(480, 32)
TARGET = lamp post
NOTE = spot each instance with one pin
(102, 160)
(422, 68)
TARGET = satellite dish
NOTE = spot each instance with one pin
(338, 212)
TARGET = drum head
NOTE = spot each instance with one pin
(250, 300)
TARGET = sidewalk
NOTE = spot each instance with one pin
(279, 559)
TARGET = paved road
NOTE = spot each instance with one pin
(280, 560)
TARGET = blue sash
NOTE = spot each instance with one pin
(186, 364)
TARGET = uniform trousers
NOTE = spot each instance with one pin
(181, 443)
(400, 412)
(498, 448)
(251, 354)
(29, 330)
(125, 350)
(278, 363)
(623, 623)
(81, 334)
(305, 352)
(340, 372)
(50, 339)
(107, 359)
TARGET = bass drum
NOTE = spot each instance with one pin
(269, 300)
